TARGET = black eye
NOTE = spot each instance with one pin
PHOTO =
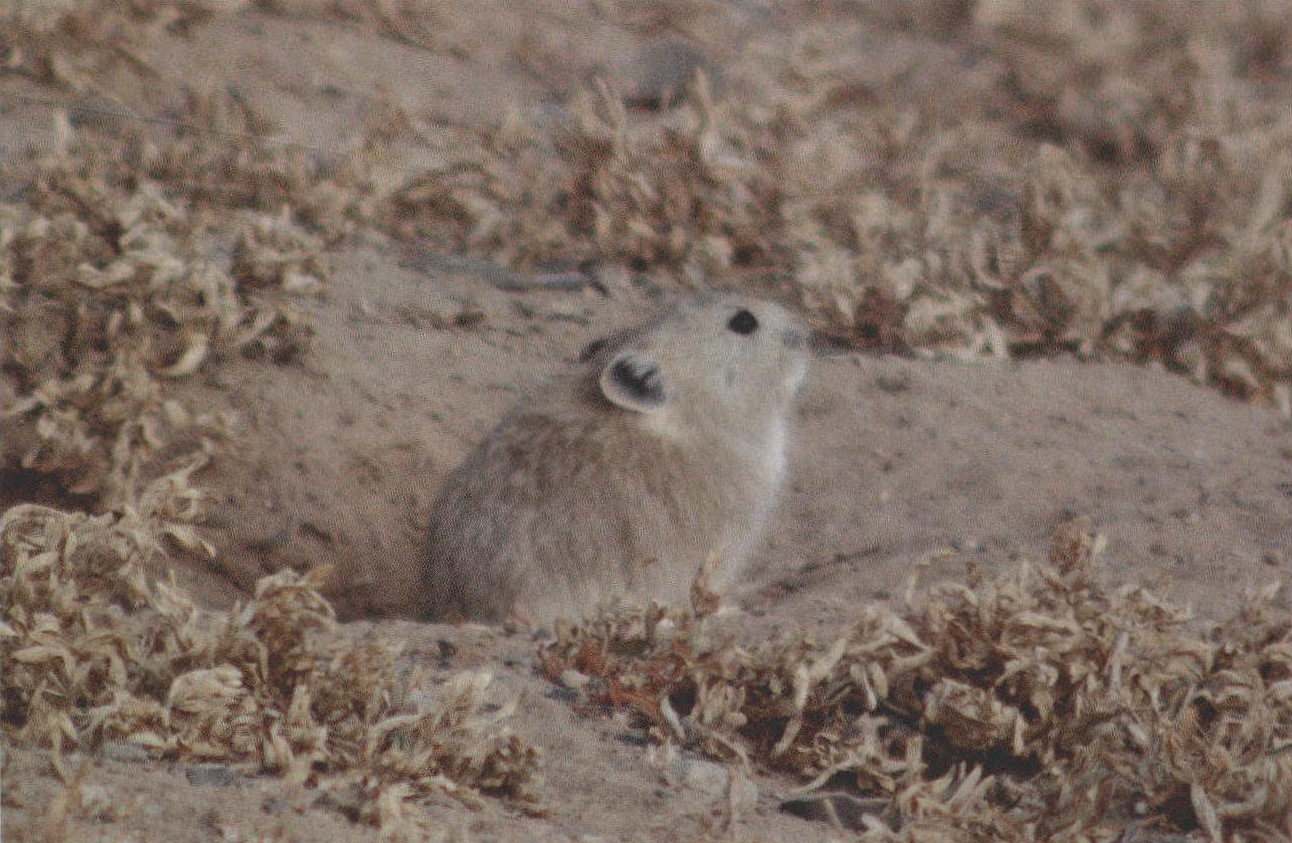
(743, 322)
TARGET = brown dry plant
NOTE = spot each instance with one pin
(1040, 706)
(95, 650)
(112, 286)
(1101, 179)
(1112, 181)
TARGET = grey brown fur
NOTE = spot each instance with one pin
(665, 445)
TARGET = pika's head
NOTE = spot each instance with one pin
(717, 361)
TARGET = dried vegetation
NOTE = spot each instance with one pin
(129, 262)
(993, 178)
(1109, 180)
(113, 284)
(1042, 706)
(96, 650)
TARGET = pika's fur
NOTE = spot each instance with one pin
(665, 445)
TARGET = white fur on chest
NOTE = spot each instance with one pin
(774, 458)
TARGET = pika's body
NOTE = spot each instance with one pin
(665, 446)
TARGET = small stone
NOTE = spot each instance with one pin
(656, 77)
(125, 751)
(563, 695)
(211, 775)
(704, 776)
(96, 804)
(969, 545)
(347, 800)
(712, 780)
(634, 739)
(895, 383)
(447, 651)
(839, 809)
(573, 679)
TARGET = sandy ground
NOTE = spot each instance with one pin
(337, 456)
(894, 459)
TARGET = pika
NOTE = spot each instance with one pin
(663, 450)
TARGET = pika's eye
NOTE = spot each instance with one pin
(743, 322)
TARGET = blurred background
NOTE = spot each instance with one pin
(989, 178)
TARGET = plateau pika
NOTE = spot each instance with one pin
(666, 444)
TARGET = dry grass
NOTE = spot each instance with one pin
(1109, 180)
(96, 650)
(110, 291)
(1102, 179)
(129, 264)
(1043, 706)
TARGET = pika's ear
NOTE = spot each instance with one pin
(634, 381)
